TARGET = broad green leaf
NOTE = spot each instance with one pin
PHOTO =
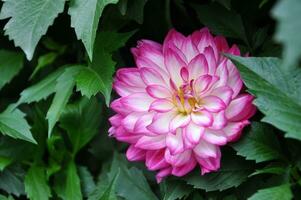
(43, 61)
(81, 121)
(36, 186)
(84, 19)
(176, 189)
(225, 3)
(234, 171)
(132, 9)
(130, 179)
(103, 65)
(14, 124)
(89, 83)
(110, 41)
(278, 92)
(86, 179)
(67, 184)
(40, 90)
(282, 192)
(6, 198)
(259, 144)
(286, 13)
(106, 188)
(223, 22)
(270, 170)
(63, 91)
(10, 65)
(29, 20)
(4, 162)
(11, 181)
(16, 150)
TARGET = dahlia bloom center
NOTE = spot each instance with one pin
(180, 103)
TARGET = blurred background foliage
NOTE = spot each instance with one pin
(57, 59)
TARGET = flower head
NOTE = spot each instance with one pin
(180, 104)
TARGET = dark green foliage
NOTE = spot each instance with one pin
(54, 111)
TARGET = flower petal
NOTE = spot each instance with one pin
(221, 44)
(152, 76)
(161, 105)
(142, 123)
(130, 120)
(161, 121)
(151, 142)
(241, 108)
(213, 103)
(202, 83)
(219, 120)
(209, 164)
(173, 64)
(205, 150)
(137, 101)
(163, 173)
(211, 60)
(158, 91)
(198, 66)
(130, 76)
(173, 38)
(202, 118)
(178, 121)
(189, 49)
(224, 93)
(135, 154)
(233, 130)
(193, 132)
(124, 90)
(174, 142)
(184, 169)
(215, 137)
(177, 159)
(155, 160)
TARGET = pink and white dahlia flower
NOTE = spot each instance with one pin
(180, 104)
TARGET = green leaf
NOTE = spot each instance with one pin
(11, 181)
(103, 65)
(4, 162)
(84, 19)
(176, 190)
(286, 12)
(223, 22)
(282, 192)
(14, 124)
(81, 121)
(259, 144)
(6, 198)
(40, 90)
(36, 186)
(63, 88)
(29, 20)
(130, 179)
(67, 185)
(278, 92)
(106, 188)
(270, 169)
(16, 150)
(132, 9)
(89, 83)
(234, 171)
(43, 61)
(86, 179)
(10, 65)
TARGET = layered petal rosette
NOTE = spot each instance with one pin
(180, 104)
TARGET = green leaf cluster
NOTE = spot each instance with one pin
(57, 62)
